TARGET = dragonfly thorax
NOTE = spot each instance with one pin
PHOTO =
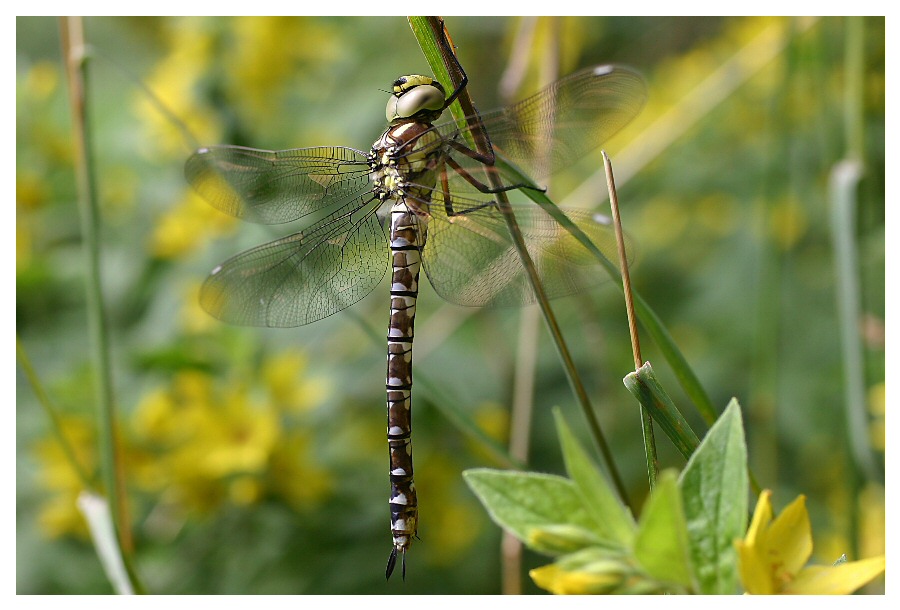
(403, 161)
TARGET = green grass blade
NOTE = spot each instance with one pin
(644, 386)
(424, 29)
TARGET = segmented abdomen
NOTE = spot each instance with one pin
(407, 237)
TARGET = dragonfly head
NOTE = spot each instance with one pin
(415, 96)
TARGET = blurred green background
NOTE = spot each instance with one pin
(255, 459)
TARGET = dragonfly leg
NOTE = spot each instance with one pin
(477, 183)
(464, 78)
(448, 201)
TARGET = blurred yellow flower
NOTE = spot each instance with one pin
(237, 438)
(244, 490)
(202, 438)
(31, 193)
(454, 520)
(59, 515)
(173, 82)
(265, 54)
(872, 519)
(23, 245)
(295, 475)
(31, 188)
(876, 401)
(662, 222)
(204, 442)
(492, 418)
(193, 318)
(773, 556)
(187, 227)
(787, 223)
(718, 213)
(289, 386)
(42, 80)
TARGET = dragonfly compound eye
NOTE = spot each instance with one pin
(414, 100)
(405, 83)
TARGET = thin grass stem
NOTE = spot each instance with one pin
(111, 465)
(650, 453)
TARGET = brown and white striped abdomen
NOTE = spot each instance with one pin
(406, 241)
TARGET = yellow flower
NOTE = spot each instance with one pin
(773, 556)
(187, 227)
(290, 386)
(294, 473)
(59, 514)
(564, 582)
(174, 82)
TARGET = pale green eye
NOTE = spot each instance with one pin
(414, 100)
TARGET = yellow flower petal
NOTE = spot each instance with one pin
(842, 579)
(752, 561)
(762, 516)
(755, 574)
(789, 540)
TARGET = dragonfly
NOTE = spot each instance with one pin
(420, 198)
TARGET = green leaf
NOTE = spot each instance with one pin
(661, 545)
(714, 490)
(524, 502)
(613, 522)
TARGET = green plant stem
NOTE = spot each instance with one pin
(842, 189)
(429, 37)
(76, 70)
(854, 87)
(650, 454)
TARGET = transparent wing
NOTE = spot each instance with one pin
(557, 126)
(273, 187)
(470, 258)
(304, 277)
